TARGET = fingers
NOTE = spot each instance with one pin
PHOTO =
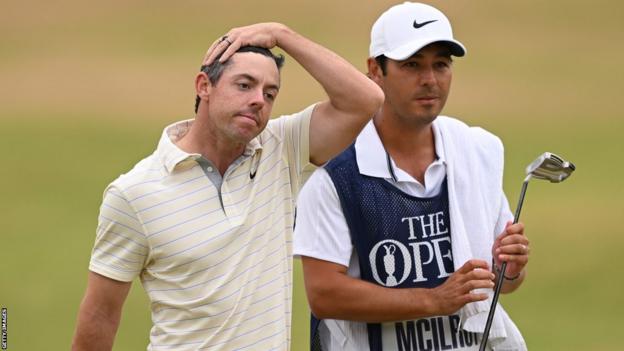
(521, 260)
(260, 34)
(209, 54)
(514, 249)
(474, 274)
(475, 284)
(515, 240)
(474, 297)
(471, 265)
(464, 286)
(517, 228)
(217, 47)
(512, 241)
(233, 46)
(511, 247)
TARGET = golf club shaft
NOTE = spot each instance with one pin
(501, 273)
(525, 184)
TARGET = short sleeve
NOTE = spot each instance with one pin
(295, 131)
(120, 248)
(321, 230)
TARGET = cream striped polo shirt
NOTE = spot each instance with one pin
(218, 278)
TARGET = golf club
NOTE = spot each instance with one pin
(549, 167)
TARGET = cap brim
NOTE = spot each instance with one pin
(409, 49)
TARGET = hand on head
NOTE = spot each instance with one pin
(260, 34)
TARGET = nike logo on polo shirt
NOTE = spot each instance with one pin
(418, 25)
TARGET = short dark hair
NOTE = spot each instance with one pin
(382, 61)
(216, 68)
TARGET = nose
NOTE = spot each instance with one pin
(427, 76)
(257, 98)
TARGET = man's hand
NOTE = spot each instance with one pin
(457, 290)
(261, 34)
(512, 246)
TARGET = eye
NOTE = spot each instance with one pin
(243, 86)
(410, 64)
(269, 96)
(442, 64)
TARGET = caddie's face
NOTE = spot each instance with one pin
(240, 103)
(416, 89)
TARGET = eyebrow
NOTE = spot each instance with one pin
(254, 80)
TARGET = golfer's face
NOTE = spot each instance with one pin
(417, 88)
(241, 102)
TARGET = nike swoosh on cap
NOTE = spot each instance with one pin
(418, 25)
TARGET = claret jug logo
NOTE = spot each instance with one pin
(389, 262)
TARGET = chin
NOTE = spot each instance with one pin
(425, 118)
(428, 120)
(247, 136)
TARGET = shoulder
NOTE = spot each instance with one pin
(344, 159)
(297, 122)
(481, 140)
(456, 126)
(318, 183)
(144, 172)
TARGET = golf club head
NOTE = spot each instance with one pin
(550, 167)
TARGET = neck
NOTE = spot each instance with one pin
(411, 145)
(203, 139)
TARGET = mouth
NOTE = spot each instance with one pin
(427, 99)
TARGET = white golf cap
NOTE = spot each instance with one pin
(406, 28)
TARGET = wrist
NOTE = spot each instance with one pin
(507, 277)
(281, 34)
(428, 300)
(512, 277)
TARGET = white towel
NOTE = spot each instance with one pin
(474, 171)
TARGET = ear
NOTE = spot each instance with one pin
(203, 87)
(374, 71)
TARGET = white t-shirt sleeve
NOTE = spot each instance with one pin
(321, 230)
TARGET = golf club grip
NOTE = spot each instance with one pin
(501, 274)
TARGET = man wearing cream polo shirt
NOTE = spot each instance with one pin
(206, 221)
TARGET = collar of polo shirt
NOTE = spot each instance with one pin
(176, 159)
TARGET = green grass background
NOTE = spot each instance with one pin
(86, 88)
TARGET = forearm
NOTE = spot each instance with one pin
(359, 300)
(338, 296)
(348, 89)
(100, 313)
(94, 331)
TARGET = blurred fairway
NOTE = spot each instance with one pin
(86, 88)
